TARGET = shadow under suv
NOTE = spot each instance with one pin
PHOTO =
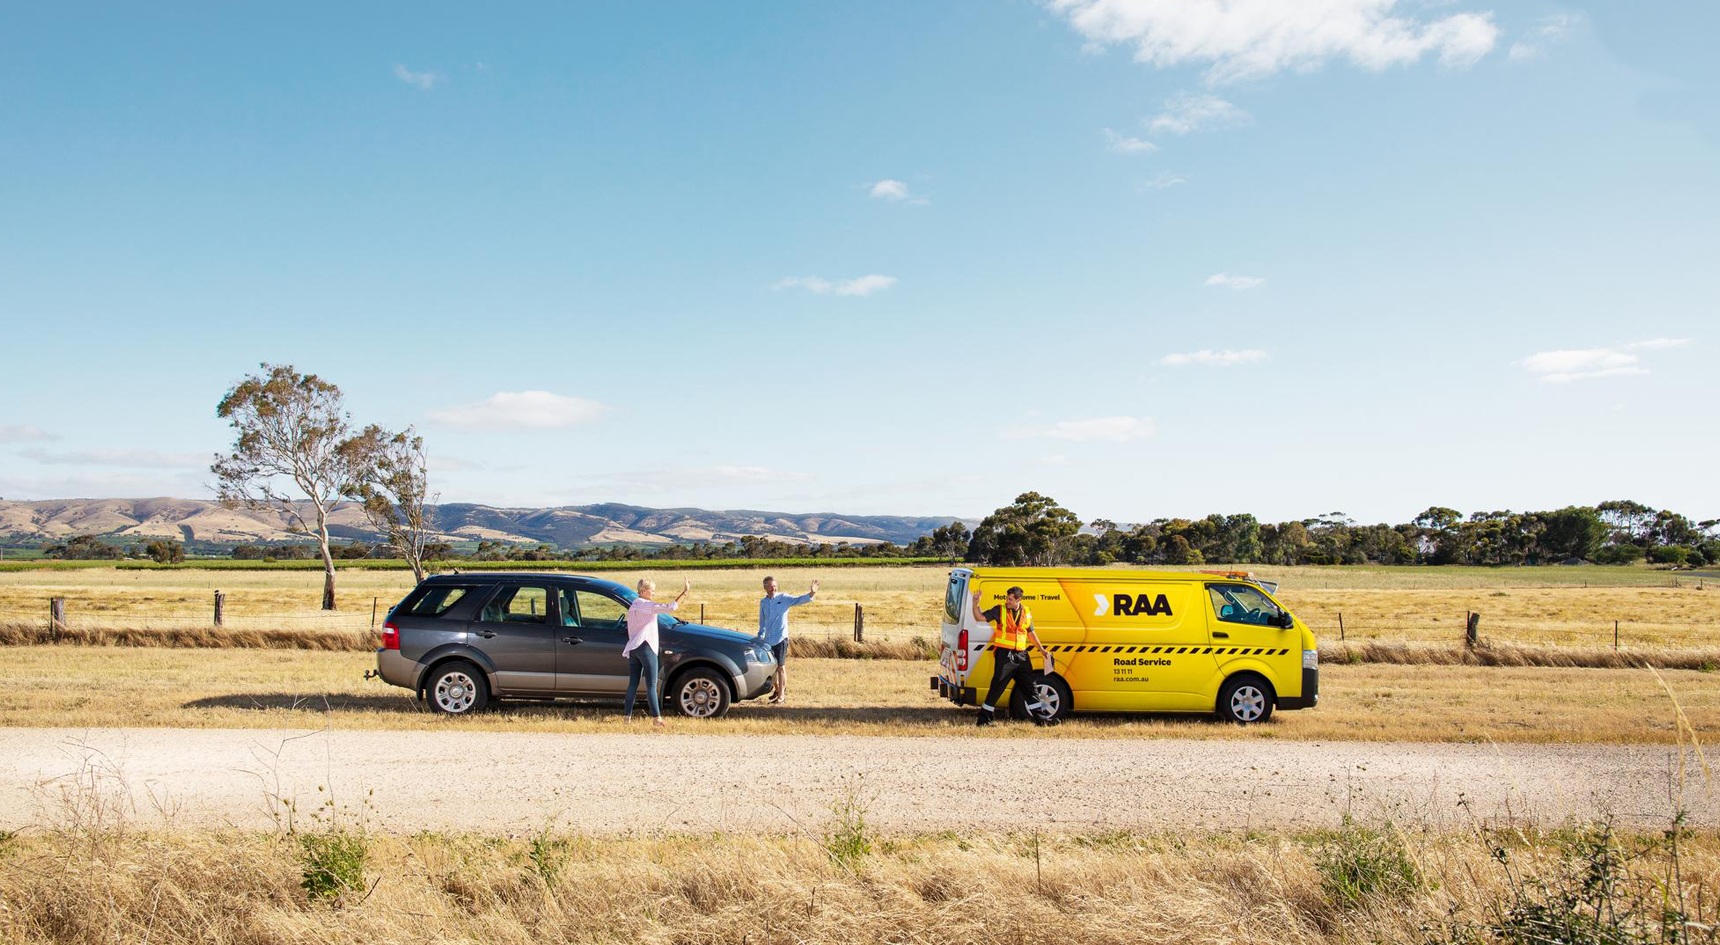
(461, 641)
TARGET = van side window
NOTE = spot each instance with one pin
(1239, 603)
(438, 600)
(517, 604)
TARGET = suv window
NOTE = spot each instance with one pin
(1239, 603)
(596, 611)
(438, 600)
(517, 603)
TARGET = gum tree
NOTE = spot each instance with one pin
(292, 448)
(395, 489)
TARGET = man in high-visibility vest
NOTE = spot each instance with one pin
(1011, 629)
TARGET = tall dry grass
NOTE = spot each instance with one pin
(72, 887)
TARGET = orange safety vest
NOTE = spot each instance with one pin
(1010, 632)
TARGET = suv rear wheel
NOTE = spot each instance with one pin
(700, 694)
(457, 688)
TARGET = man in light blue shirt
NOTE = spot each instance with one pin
(773, 630)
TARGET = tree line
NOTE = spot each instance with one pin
(1035, 530)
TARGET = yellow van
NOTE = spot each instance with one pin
(1137, 641)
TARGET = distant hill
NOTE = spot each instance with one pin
(567, 526)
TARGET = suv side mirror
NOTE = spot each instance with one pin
(1285, 621)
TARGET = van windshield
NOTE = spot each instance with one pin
(1239, 603)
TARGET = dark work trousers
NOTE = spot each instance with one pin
(1008, 665)
(643, 662)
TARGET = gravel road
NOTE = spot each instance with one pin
(648, 783)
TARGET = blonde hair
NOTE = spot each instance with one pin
(646, 584)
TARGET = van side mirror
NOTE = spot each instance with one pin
(1285, 621)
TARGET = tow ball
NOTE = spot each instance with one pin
(372, 673)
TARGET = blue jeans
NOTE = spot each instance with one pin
(643, 662)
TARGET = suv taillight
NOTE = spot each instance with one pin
(390, 636)
(961, 652)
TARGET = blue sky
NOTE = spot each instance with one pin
(1149, 258)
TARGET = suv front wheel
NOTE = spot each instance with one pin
(457, 688)
(700, 694)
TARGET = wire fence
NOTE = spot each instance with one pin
(832, 622)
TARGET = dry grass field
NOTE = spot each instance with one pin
(81, 883)
(97, 687)
(1553, 605)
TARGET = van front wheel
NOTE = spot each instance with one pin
(1051, 693)
(1246, 698)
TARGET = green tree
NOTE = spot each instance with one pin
(165, 551)
(394, 487)
(1572, 532)
(1034, 530)
(292, 439)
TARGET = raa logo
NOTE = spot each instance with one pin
(1137, 606)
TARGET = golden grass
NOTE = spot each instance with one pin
(74, 886)
(1557, 606)
(98, 687)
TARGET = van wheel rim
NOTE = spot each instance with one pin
(455, 692)
(1048, 699)
(700, 698)
(1247, 703)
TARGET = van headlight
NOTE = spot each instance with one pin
(1310, 659)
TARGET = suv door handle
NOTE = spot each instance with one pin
(572, 641)
(1221, 634)
(486, 634)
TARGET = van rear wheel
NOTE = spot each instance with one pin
(1246, 698)
(1051, 693)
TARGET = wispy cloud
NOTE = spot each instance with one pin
(1243, 40)
(24, 433)
(133, 458)
(1160, 182)
(858, 286)
(1224, 280)
(521, 410)
(1127, 145)
(1581, 364)
(1120, 429)
(1548, 31)
(895, 191)
(423, 81)
(1206, 356)
(1185, 113)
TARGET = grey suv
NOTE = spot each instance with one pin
(462, 641)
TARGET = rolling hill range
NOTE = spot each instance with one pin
(568, 526)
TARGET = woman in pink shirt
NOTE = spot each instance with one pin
(642, 647)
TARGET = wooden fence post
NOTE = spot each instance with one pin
(56, 617)
(373, 613)
(859, 623)
(1472, 629)
(701, 613)
(1615, 636)
(220, 604)
(1340, 625)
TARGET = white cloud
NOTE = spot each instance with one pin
(521, 410)
(1559, 367)
(890, 190)
(858, 286)
(1551, 29)
(1242, 39)
(1521, 51)
(24, 433)
(1095, 430)
(1581, 364)
(423, 81)
(1225, 280)
(1127, 145)
(139, 459)
(1160, 182)
(1225, 358)
(1185, 113)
